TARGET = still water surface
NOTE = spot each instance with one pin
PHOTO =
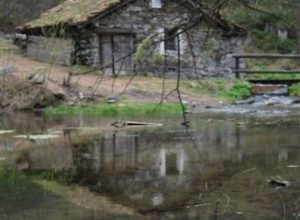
(221, 168)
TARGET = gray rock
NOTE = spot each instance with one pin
(37, 79)
(111, 99)
(279, 100)
(296, 101)
(246, 102)
(37, 76)
(6, 70)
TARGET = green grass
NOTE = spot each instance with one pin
(128, 109)
(238, 91)
(294, 89)
(274, 76)
(228, 89)
(280, 64)
(11, 177)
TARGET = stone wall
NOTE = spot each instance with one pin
(213, 51)
(53, 50)
(87, 48)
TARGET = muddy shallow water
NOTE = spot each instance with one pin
(219, 169)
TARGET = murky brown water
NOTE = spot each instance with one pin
(217, 170)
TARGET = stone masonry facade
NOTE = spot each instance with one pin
(212, 49)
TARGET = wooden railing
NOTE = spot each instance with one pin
(238, 57)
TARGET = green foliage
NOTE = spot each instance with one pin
(212, 43)
(228, 89)
(270, 42)
(10, 177)
(263, 24)
(275, 76)
(116, 109)
(263, 65)
(294, 89)
(278, 13)
(240, 90)
(286, 64)
(142, 49)
(257, 64)
(54, 31)
(158, 59)
(285, 46)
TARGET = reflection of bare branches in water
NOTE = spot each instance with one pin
(282, 202)
(217, 213)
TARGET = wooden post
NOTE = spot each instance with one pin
(113, 54)
(136, 149)
(102, 153)
(114, 154)
(178, 60)
(237, 67)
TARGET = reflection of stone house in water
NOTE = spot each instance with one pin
(134, 165)
(172, 161)
(155, 168)
(100, 33)
(151, 169)
(120, 152)
(163, 156)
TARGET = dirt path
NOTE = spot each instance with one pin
(141, 89)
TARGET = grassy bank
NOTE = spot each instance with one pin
(222, 88)
(122, 109)
(217, 88)
(294, 89)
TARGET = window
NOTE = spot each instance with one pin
(156, 3)
(170, 40)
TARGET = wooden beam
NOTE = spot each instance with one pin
(112, 31)
(113, 54)
(271, 56)
(237, 66)
(274, 81)
(250, 71)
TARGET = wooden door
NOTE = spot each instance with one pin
(115, 52)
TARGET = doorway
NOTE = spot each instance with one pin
(116, 52)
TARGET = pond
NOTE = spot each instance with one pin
(223, 167)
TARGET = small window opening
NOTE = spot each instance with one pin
(156, 3)
(171, 69)
(170, 40)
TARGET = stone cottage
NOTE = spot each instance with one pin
(107, 33)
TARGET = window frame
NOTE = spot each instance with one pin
(170, 42)
(156, 3)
